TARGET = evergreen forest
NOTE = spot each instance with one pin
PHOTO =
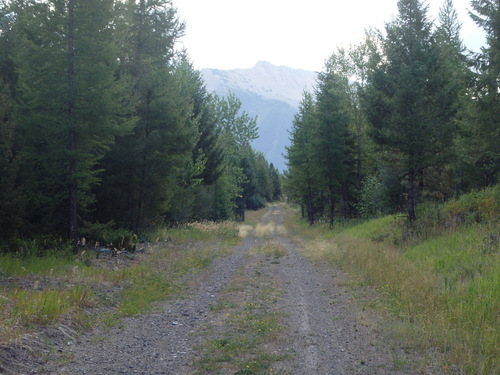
(106, 128)
(107, 131)
(409, 116)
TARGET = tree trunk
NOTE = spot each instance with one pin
(359, 149)
(330, 201)
(310, 212)
(73, 183)
(411, 194)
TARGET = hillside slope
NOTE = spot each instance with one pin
(272, 93)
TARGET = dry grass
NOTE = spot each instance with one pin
(269, 229)
(271, 248)
(244, 230)
(444, 291)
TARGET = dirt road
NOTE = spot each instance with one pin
(264, 309)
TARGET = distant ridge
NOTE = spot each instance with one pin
(272, 93)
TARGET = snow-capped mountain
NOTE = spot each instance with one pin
(272, 93)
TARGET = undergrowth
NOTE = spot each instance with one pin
(440, 275)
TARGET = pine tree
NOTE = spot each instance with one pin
(274, 175)
(486, 125)
(332, 141)
(299, 176)
(406, 97)
(207, 147)
(455, 64)
(143, 168)
(11, 197)
(71, 106)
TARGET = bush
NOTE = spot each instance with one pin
(476, 207)
(255, 202)
(372, 197)
(40, 246)
(106, 234)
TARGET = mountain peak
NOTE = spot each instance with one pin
(263, 64)
(272, 93)
(264, 79)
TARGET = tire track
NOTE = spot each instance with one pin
(159, 343)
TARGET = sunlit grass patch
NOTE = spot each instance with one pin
(275, 248)
(22, 310)
(378, 230)
(269, 229)
(244, 230)
(195, 231)
(253, 217)
(262, 230)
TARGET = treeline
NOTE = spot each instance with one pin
(409, 115)
(103, 123)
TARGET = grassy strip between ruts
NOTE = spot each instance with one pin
(247, 323)
(81, 290)
(444, 288)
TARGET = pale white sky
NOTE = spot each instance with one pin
(228, 34)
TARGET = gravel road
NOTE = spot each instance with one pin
(324, 329)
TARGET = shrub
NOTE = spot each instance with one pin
(476, 207)
(106, 234)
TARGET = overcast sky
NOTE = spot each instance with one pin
(228, 34)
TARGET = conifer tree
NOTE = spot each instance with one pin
(143, 168)
(486, 118)
(452, 54)
(407, 99)
(71, 106)
(299, 176)
(274, 175)
(332, 141)
(11, 197)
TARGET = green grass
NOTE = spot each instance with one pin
(247, 328)
(441, 278)
(50, 264)
(197, 231)
(164, 275)
(36, 291)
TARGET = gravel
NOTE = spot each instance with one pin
(325, 329)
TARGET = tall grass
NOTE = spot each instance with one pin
(36, 291)
(443, 276)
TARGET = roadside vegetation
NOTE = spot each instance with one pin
(78, 290)
(439, 276)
